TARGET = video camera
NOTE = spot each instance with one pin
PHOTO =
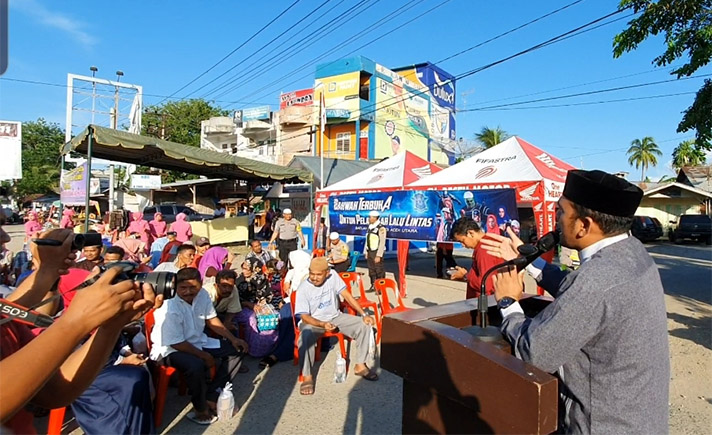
(163, 283)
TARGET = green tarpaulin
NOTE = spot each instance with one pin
(121, 146)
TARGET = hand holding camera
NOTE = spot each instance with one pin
(104, 300)
(53, 251)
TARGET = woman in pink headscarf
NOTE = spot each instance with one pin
(182, 228)
(215, 259)
(158, 226)
(32, 226)
(139, 226)
(67, 221)
(134, 249)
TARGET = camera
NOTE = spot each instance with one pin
(79, 241)
(163, 283)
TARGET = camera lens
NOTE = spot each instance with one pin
(164, 283)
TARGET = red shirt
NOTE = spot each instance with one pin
(482, 261)
(12, 337)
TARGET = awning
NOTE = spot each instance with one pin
(131, 148)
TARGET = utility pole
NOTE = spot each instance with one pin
(115, 121)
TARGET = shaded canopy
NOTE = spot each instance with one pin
(132, 148)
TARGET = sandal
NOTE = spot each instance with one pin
(367, 375)
(191, 416)
(268, 361)
(307, 388)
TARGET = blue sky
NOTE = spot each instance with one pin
(164, 45)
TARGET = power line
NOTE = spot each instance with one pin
(494, 38)
(393, 14)
(254, 35)
(332, 25)
(306, 26)
(610, 79)
(589, 103)
(579, 94)
(287, 30)
(64, 85)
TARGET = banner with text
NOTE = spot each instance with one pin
(424, 214)
(73, 188)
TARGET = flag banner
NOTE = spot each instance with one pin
(424, 214)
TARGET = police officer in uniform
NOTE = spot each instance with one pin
(287, 229)
(375, 246)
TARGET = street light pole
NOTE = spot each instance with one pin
(87, 174)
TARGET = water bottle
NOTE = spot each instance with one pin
(340, 370)
(226, 403)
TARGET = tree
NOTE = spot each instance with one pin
(687, 29)
(687, 154)
(643, 153)
(177, 121)
(490, 137)
(40, 157)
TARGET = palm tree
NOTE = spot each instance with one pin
(687, 154)
(643, 153)
(490, 137)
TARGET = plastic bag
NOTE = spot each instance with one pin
(226, 403)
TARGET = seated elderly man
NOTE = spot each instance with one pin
(317, 301)
(179, 341)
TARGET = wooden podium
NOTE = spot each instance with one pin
(454, 383)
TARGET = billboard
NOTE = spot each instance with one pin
(401, 120)
(145, 182)
(341, 95)
(72, 188)
(302, 97)
(261, 113)
(440, 87)
(424, 214)
(11, 148)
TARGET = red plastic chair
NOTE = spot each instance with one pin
(327, 334)
(56, 421)
(351, 279)
(319, 253)
(162, 376)
(382, 286)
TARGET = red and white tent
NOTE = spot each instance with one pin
(537, 177)
(391, 174)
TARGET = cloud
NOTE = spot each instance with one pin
(56, 20)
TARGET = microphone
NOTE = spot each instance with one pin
(527, 254)
(18, 313)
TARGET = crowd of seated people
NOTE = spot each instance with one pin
(204, 332)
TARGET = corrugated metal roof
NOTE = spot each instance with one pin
(335, 170)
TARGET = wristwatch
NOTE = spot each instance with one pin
(505, 302)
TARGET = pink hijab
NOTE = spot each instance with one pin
(182, 228)
(131, 247)
(140, 226)
(32, 227)
(214, 257)
(67, 221)
(158, 228)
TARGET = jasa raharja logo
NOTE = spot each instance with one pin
(420, 202)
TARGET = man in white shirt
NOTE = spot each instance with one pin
(317, 301)
(180, 341)
(184, 258)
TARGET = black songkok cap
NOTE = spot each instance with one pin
(602, 192)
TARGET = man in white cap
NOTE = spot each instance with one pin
(338, 253)
(287, 229)
(375, 246)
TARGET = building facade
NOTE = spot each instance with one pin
(373, 112)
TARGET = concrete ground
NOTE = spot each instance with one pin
(269, 400)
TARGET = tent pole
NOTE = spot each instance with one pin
(87, 179)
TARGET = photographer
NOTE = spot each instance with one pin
(45, 370)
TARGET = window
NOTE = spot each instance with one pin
(225, 146)
(167, 210)
(343, 143)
